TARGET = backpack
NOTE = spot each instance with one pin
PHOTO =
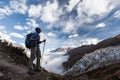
(27, 40)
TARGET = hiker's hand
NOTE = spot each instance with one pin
(44, 40)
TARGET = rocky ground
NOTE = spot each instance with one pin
(12, 67)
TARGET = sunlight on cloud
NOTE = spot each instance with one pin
(17, 35)
(50, 60)
(89, 41)
(92, 10)
(14, 7)
(50, 12)
(2, 27)
(32, 23)
(69, 27)
(50, 34)
(6, 37)
(18, 27)
(35, 11)
(18, 6)
(26, 28)
(72, 4)
(2, 16)
(5, 12)
(101, 25)
(73, 36)
(117, 14)
(51, 42)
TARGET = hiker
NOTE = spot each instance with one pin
(35, 51)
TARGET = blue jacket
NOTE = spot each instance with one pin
(37, 37)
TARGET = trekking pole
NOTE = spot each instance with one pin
(42, 52)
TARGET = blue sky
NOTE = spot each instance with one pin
(63, 22)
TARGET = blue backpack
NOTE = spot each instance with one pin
(27, 40)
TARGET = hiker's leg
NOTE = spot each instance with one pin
(38, 55)
(32, 57)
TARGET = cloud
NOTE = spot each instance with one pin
(15, 6)
(51, 12)
(2, 27)
(50, 34)
(89, 11)
(48, 13)
(101, 25)
(26, 28)
(32, 23)
(89, 41)
(5, 11)
(72, 4)
(18, 6)
(35, 11)
(85, 12)
(18, 27)
(79, 41)
(6, 37)
(17, 35)
(73, 36)
(117, 14)
(69, 27)
(53, 62)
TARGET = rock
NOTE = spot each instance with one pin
(1, 75)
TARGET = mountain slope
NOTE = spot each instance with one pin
(89, 62)
(13, 64)
(77, 53)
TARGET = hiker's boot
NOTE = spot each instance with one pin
(31, 72)
(37, 70)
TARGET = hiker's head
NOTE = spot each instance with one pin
(38, 30)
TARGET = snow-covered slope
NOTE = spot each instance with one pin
(62, 49)
(96, 59)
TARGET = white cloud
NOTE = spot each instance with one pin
(73, 36)
(17, 35)
(89, 11)
(26, 28)
(18, 6)
(48, 13)
(72, 4)
(2, 27)
(53, 62)
(18, 27)
(5, 12)
(32, 23)
(117, 14)
(51, 42)
(15, 6)
(51, 12)
(101, 25)
(89, 41)
(35, 11)
(69, 27)
(6, 37)
(2, 16)
(50, 34)
(93, 6)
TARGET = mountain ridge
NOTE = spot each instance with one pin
(78, 52)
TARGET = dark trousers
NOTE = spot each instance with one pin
(35, 53)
